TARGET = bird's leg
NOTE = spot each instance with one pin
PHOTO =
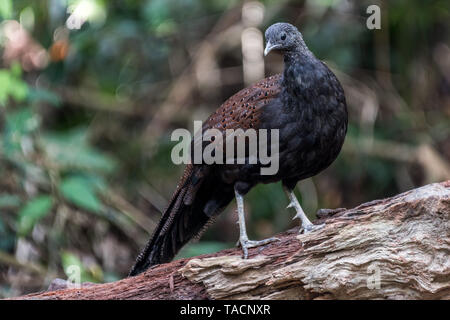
(243, 238)
(306, 225)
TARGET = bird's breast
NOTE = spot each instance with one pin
(312, 121)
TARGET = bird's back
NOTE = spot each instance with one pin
(306, 104)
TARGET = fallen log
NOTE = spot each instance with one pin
(394, 248)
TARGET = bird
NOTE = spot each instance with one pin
(305, 103)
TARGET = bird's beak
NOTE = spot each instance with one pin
(270, 47)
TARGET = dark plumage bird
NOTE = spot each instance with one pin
(306, 103)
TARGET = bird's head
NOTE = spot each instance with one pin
(283, 37)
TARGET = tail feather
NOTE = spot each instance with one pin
(184, 218)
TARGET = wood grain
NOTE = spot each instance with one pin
(394, 248)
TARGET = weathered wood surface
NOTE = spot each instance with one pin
(393, 248)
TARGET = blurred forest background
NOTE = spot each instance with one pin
(90, 91)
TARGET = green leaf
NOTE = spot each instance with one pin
(2, 226)
(97, 182)
(7, 239)
(157, 11)
(12, 85)
(21, 121)
(5, 83)
(71, 263)
(37, 95)
(6, 9)
(70, 150)
(68, 259)
(16, 69)
(19, 124)
(202, 247)
(32, 212)
(81, 193)
(9, 200)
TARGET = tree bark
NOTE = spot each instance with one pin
(395, 248)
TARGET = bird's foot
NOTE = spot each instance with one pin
(311, 227)
(247, 244)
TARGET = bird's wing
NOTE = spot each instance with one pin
(199, 196)
(242, 110)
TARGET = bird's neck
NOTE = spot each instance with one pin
(302, 72)
(301, 54)
(300, 67)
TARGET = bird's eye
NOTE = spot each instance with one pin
(283, 36)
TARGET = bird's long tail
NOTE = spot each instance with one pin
(197, 199)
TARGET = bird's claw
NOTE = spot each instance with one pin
(247, 244)
(297, 216)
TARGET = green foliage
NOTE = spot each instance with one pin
(9, 201)
(11, 85)
(6, 9)
(61, 164)
(34, 210)
(70, 260)
(2, 228)
(81, 192)
(44, 95)
(263, 206)
(71, 150)
(203, 247)
(6, 238)
(20, 123)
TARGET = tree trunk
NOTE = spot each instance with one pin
(395, 248)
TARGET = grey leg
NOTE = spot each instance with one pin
(306, 224)
(243, 238)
